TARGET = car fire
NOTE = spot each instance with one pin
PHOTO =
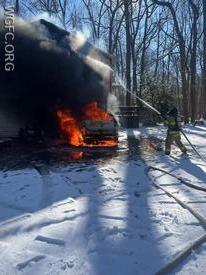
(94, 127)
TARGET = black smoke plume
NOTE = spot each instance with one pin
(49, 74)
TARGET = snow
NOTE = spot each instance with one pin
(104, 216)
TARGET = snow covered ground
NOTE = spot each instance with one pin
(103, 216)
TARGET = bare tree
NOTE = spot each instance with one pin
(149, 33)
(38, 6)
(182, 49)
(135, 47)
(193, 61)
(96, 11)
(61, 7)
(114, 25)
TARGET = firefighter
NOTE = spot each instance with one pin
(173, 133)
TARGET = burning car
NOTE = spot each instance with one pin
(94, 127)
(100, 132)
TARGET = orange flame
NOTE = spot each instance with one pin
(93, 112)
(71, 126)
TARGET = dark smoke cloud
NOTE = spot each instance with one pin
(48, 74)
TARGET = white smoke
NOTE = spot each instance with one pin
(113, 106)
(77, 40)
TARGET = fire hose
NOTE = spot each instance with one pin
(157, 112)
(193, 147)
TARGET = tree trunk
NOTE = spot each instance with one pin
(128, 51)
(204, 59)
(17, 7)
(142, 61)
(193, 68)
(157, 53)
(134, 69)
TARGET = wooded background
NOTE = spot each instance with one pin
(159, 46)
